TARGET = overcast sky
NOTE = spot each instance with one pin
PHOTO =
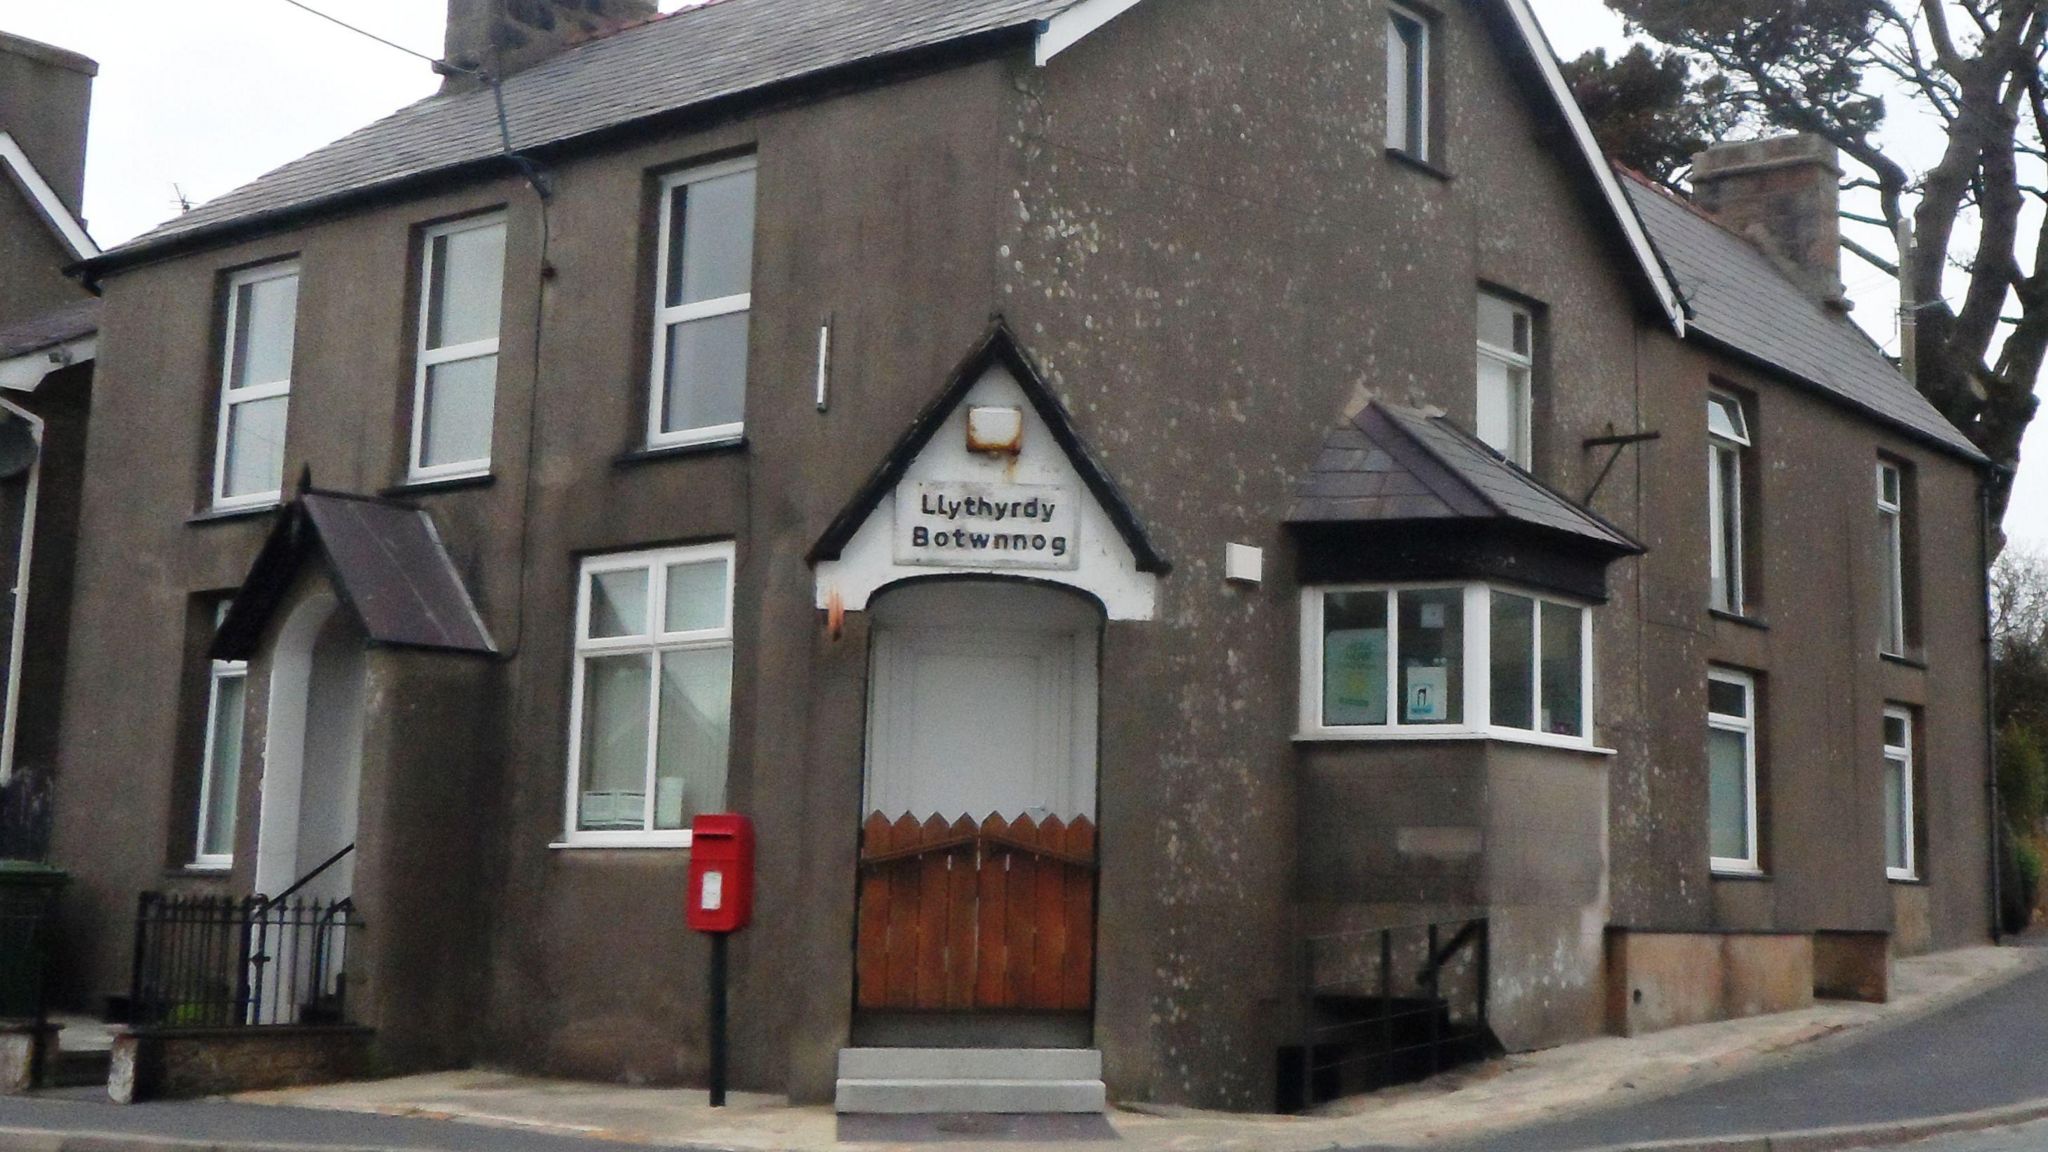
(196, 98)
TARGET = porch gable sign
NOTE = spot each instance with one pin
(949, 502)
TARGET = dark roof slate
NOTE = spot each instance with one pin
(388, 566)
(1740, 299)
(1390, 464)
(61, 325)
(674, 62)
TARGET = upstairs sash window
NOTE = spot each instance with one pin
(256, 385)
(462, 285)
(1408, 83)
(1727, 443)
(703, 294)
(1506, 366)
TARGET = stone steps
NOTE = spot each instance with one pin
(1007, 1081)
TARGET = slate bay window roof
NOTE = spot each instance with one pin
(1397, 493)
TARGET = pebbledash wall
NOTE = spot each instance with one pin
(1190, 223)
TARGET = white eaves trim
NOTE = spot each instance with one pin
(44, 197)
(1068, 27)
(1603, 171)
(1058, 33)
(25, 373)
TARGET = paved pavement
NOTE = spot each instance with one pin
(1984, 1052)
(2026, 1138)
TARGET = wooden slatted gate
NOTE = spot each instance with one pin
(967, 917)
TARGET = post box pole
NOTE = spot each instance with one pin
(718, 941)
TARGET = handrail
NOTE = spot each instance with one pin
(1442, 955)
(270, 902)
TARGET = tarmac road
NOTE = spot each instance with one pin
(1983, 1052)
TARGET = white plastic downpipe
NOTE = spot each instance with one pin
(22, 564)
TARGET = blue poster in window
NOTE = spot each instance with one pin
(1355, 678)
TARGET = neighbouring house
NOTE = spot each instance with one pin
(48, 323)
(1188, 526)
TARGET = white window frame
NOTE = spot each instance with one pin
(1891, 516)
(1902, 757)
(425, 359)
(1478, 670)
(1722, 452)
(1752, 865)
(665, 316)
(656, 642)
(219, 673)
(1524, 451)
(1417, 97)
(232, 397)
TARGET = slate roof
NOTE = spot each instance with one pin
(388, 566)
(1392, 464)
(50, 329)
(687, 58)
(1740, 299)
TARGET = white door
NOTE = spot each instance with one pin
(983, 702)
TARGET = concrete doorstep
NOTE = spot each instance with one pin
(1465, 1106)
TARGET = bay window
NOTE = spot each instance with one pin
(1457, 661)
(650, 717)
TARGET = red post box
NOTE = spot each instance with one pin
(721, 874)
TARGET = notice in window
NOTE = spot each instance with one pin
(1427, 699)
(1355, 678)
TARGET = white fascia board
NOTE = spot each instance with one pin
(25, 373)
(1610, 186)
(1071, 25)
(44, 197)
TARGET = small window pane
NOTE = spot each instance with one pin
(696, 597)
(265, 315)
(612, 795)
(1725, 419)
(1355, 659)
(1726, 698)
(1514, 661)
(1502, 389)
(618, 603)
(1726, 476)
(712, 256)
(1407, 83)
(459, 402)
(224, 765)
(469, 286)
(255, 456)
(1432, 649)
(690, 759)
(1502, 325)
(1729, 800)
(1564, 663)
(1889, 487)
(1897, 835)
(705, 383)
(1895, 731)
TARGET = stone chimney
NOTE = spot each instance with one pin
(500, 37)
(1783, 195)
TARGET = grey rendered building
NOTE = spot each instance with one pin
(1030, 433)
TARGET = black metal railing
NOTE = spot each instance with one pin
(1389, 1005)
(254, 961)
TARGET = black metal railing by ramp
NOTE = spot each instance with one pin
(251, 961)
(1389, 1005)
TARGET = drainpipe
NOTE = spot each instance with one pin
(21, 585)
(1990, 705)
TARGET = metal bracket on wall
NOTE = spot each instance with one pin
(1620, 442)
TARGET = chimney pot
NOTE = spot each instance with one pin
(1784, 195)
